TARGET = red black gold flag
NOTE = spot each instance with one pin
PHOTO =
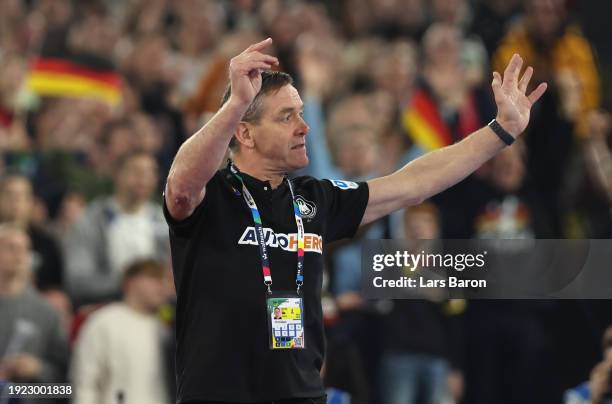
(56, 76)
(422, 121)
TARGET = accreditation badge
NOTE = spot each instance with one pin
(286, 321)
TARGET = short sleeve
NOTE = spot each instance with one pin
(347, 202)
(184, 228)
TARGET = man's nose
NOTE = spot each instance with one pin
(303, 127)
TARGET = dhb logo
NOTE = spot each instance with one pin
(307, 209)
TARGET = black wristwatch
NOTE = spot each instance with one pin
(501, 133)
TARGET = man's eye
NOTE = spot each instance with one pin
(301, 113)
(287, 118)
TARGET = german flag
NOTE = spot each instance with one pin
(71, 77)
(423, 122)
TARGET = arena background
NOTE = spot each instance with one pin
(97, 96)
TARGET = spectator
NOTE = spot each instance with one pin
(119, 351)
(508, 207)
(598, 390)
(491, 20)
(33, 342)
(556, 49)
(116, 230)
(504, 206)
(16, 206)
(13, 134)
(564, 58)
(598, 157)
(418, 366)
(446, 106)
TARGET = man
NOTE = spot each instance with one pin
(598, 390)
(119, 351)
(228, 227)
(16, 206)
(33, 342)
(114, 231)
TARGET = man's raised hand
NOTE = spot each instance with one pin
(245, 72)
(513, 105)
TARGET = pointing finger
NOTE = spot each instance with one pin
(260, 45)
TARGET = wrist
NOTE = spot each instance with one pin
(508, 127)
(500, 131)
(238, 105)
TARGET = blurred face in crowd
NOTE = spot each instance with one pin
(279, 136)
(396, 70)
(508, 169)
(545, 17)
(57, 12)
(147, 291)
(357, 151)
(119, 142)
(16, 200)
(442, 45)
(149, 59)
(448, 11)
(95, 33)
(15, 258)
(421, 223)
(136, 179)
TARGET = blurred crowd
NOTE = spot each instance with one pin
(85, 280)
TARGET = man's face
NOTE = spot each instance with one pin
(148, 290)
(280, 134)
(14, 253)
(137, 178)
(421, 225)
(16, 200)
(545, 17)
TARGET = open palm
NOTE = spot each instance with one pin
(513, 105)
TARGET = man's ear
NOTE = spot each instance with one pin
(244, 135)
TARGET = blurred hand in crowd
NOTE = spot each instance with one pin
(21, 366)
(600, 382)
(600, 124)
(13, 68)
(316, 64)
(570, 93)
(456, 385)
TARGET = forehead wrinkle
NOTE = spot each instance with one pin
(288, 100)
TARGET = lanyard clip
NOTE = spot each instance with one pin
(269, 286)
(299, 285)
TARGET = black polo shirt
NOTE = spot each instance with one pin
(222, 339)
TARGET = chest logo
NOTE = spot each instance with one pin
(308, 209)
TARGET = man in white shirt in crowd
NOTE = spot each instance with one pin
(118, 355)
(116, 230)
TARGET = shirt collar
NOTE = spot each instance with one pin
(255, 184)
